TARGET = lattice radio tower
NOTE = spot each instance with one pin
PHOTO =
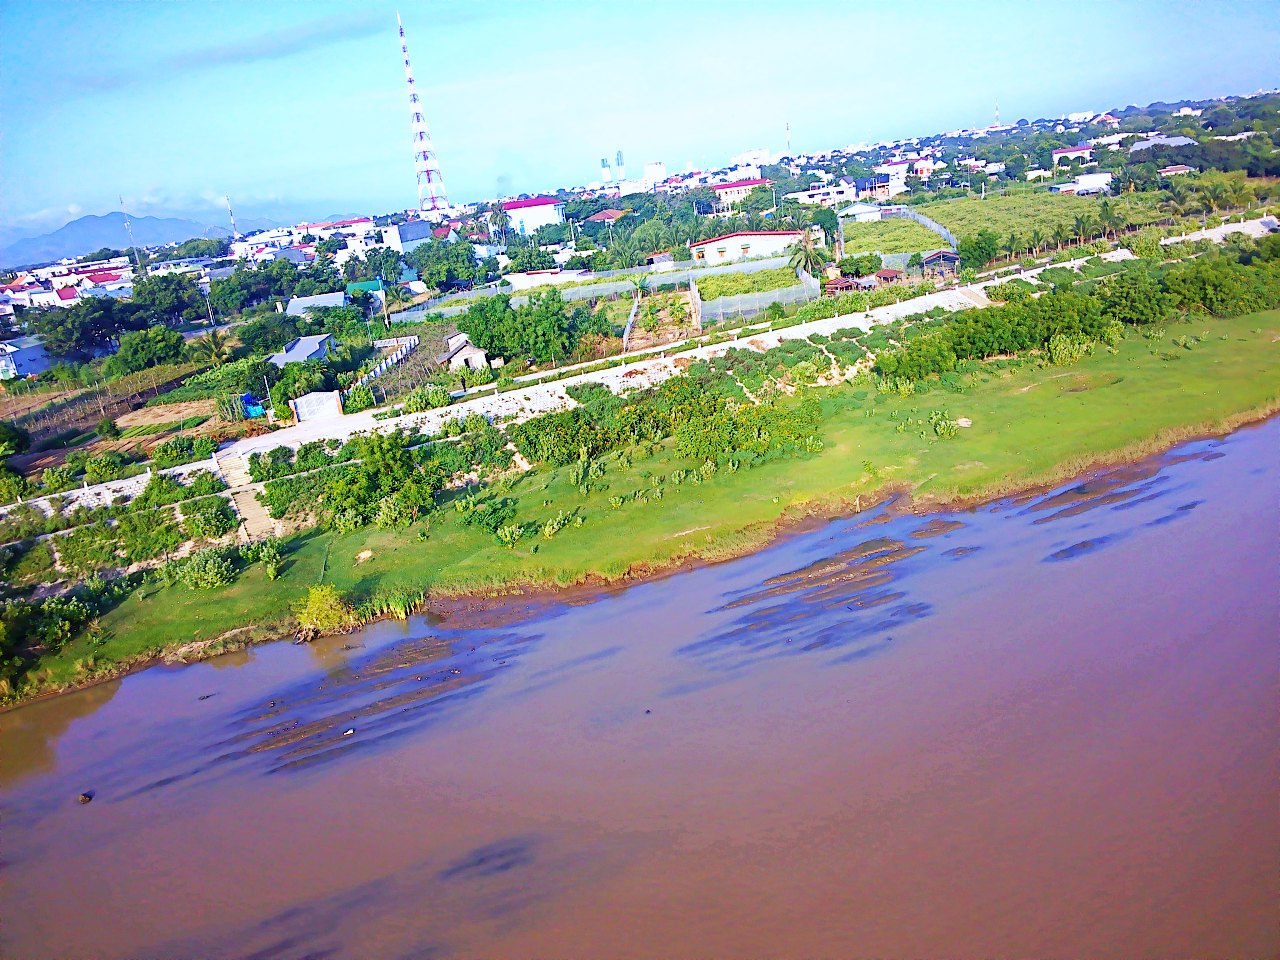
(431, 193)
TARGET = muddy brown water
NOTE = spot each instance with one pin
(1043, 728)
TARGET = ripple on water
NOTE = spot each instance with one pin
(845, 602)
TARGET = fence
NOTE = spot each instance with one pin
(404, 346)
(631, 319)
(679, 277)
(751, 304)
(920, 218)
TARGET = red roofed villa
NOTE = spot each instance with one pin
(607, 216)
(528, 215)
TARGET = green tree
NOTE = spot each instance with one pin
(1135, 297)
(145, 348)
(978, 250)
(171, 299)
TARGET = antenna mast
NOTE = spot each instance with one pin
(431, 193)
(235, 235)
(128, 228)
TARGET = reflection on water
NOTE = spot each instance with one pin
(29, 735)
(999, 732)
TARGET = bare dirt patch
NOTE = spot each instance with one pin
(169, 413)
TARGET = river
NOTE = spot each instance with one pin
(1045, 727)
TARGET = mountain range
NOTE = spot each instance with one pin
(91, 233)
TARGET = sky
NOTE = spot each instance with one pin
(299, 109)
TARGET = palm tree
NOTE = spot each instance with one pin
(1061, 234)
(1012, 245)
(1214, 196)
(1037, 240)
(641, 282)
(214, 347)
(806, 256)
(1109, 220)
(499, 220)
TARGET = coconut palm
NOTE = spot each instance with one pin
(1212, 197)
(806, 256)
(641, 282)
(499, 220)
(1036, 240)
(1061, 234)
(214, 348)
(1012, 245)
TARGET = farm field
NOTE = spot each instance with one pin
(1021, 213)
(733, 284)
(898, 235)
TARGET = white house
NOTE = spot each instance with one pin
(23, 357)
(1081, 151)
(727, 194)
(827, 194)
(861, 213)
(528, 215)
(897, 171)
(61, 297)
(744, 244)
(1084, 184)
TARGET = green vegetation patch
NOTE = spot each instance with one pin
(733, 284)
(895, 235)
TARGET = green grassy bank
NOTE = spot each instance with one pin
(1030, 425)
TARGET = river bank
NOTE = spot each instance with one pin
(1032, 428)
(990, 732)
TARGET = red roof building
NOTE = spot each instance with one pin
(531, 202)
(66, 293)
(607, 216)
(98, 278)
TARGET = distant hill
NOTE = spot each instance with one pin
(91, 233)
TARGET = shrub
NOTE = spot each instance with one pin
(323, 611)
(203, 570)
(429, 397)
(510, 534)
(107, 429)
(182, 450)
(208, 517)
(1065, 350)
(358, 398)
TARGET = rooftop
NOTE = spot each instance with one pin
(758, 182)
(795, 234)
(532, 202)
(300, 305)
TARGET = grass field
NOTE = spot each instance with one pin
(1030, 425)
(896, 235)
(1021, 213)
